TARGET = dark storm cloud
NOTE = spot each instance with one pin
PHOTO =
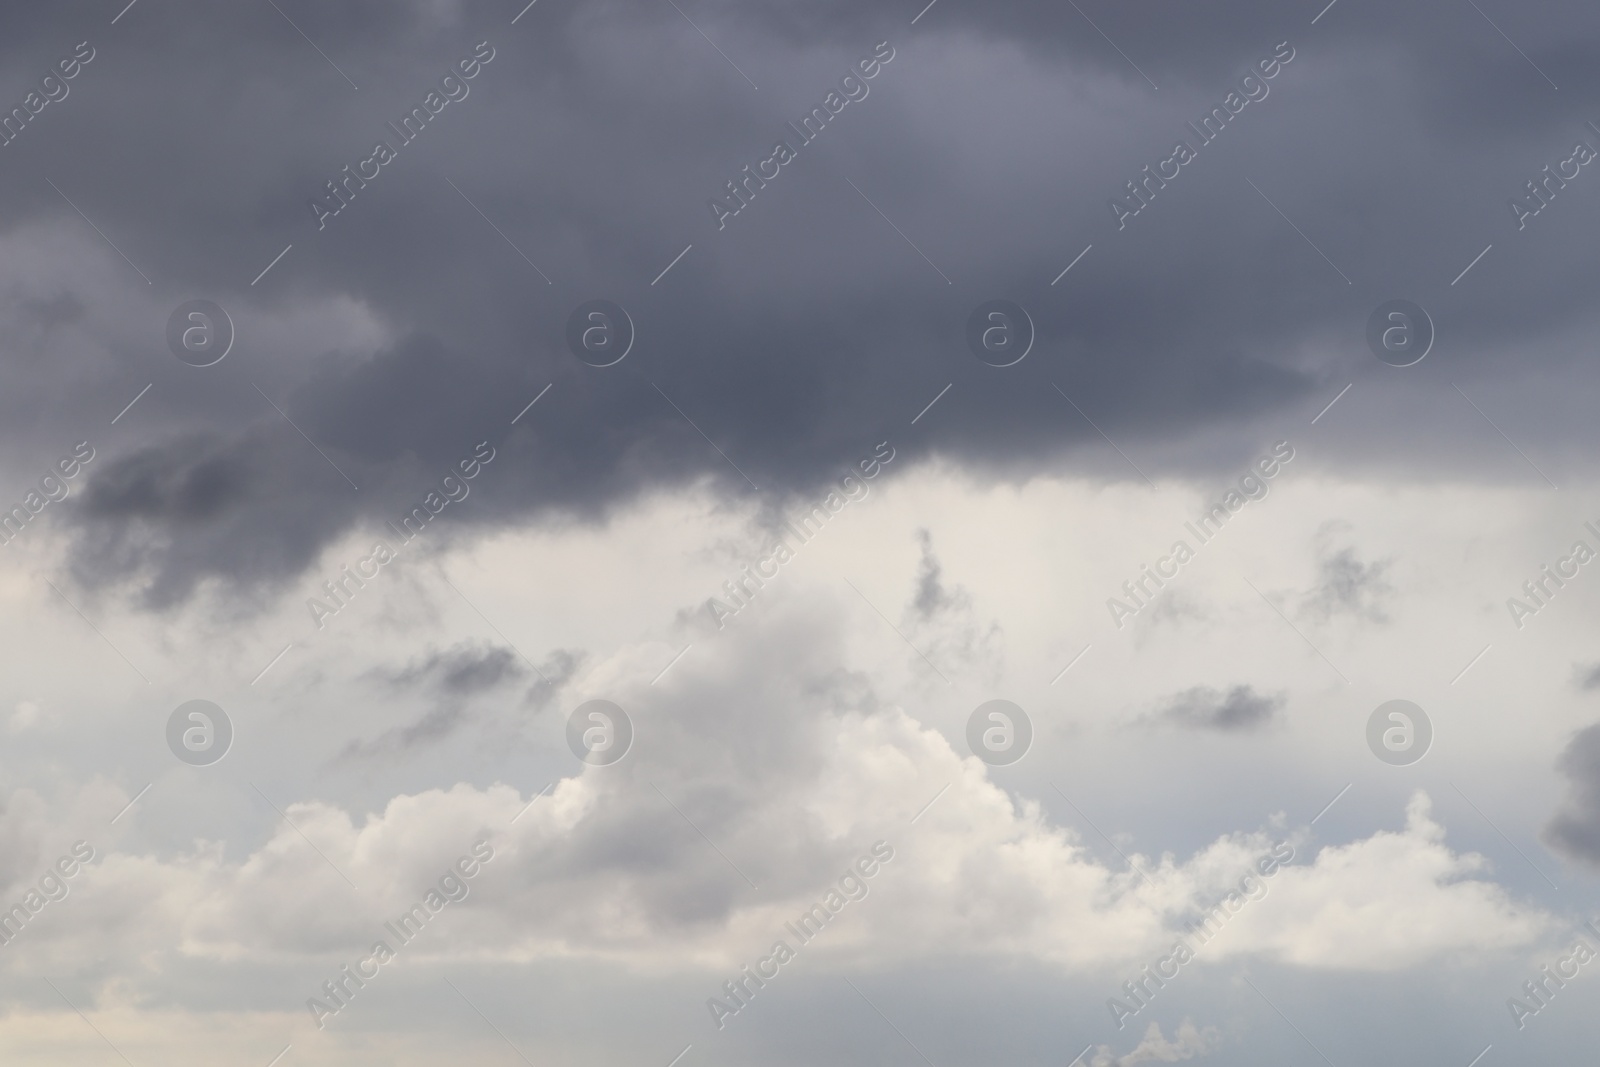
(809, 328)
(1575, 829)
(1238, 710)
(166, 518)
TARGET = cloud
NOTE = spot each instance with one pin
(380, 350)
(613, 865)
(931, 596)
(1187, 1042)
(1575, 829)
(246, 512)
(1403, 886)
(945, 621)
(1346, 585)
(463, 670)
(453, 677)
(1203, 708)
(577, 875)
(1184, 381)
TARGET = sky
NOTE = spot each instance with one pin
(677, 533)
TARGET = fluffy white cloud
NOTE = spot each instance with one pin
(1388, 902)
(586, 871)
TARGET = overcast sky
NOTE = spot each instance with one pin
(811, 532)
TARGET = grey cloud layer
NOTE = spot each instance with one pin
(593, 141)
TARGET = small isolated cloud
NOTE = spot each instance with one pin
(452, 678)
(932, 597)
(1236, 711)
(1346, 585)
(945, 614)
(1177, 607)
(1187, 1042)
